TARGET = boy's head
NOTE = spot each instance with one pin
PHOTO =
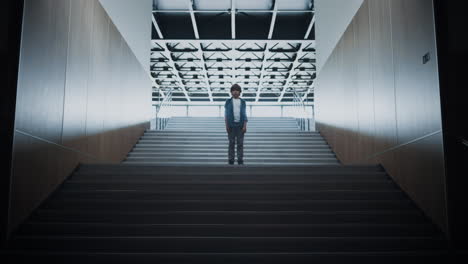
(236, 90)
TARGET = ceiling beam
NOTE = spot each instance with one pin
(273, 19)
(205, 72)
(262, 72)
(175, 72)
(158, 30)
(171, 63)
(156, 26)
(291, 72)
(311, 24)
(236, 41)
(266, 55)
(233, 19)
(200, 49)
(233, 64)
(192, 16)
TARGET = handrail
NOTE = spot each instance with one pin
(302, 118)
(163, 111)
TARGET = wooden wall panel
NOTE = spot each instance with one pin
(76, 88)
(385, 135)
(111, 117)
(420, 171)
(378, 103)
(348, 96)
(38, 168)
(83, 97)
(97, 80)
(335, 90)
(39, 108)
(418, 107)
(364, 94)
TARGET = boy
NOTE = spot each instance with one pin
(236, 123)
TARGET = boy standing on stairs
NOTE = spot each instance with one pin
(236, 123)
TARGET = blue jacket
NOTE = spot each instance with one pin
(229, 112)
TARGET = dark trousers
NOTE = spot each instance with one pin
(236, 134)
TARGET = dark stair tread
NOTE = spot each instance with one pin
(231, 175)
(234, 194)
(146, 185)
(364, 257)
(243, 230)
(217, 213)
(227, 244)
(227, 205)
(230, 217)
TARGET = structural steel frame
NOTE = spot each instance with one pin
(203, 70)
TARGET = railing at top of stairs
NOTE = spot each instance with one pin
(303, 118)
(163, 112)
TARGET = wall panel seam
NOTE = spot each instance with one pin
(90, 69)
(54, 143)
(394, 70)
(372, 73)
(66, 71)
(404, 144)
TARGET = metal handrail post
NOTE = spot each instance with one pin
(163, 108)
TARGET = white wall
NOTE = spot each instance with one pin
(133, 20)
(332, 19)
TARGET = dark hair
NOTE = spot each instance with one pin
(236, 87)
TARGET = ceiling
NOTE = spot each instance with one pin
(200, 48)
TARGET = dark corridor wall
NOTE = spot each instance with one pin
(82, 97)
(377, 102)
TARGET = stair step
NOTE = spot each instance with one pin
(246, 150)
(255, 177)
(236, 205)
(208, 153)
(225, 141)
(225, 244)
(149, 185)
(223, 158)
(225, 145)
(280, 257)
(174, 199)
(189, 163)
(233, 195)
(222, 129)
(232, 230)
(286, 171)
(224, 154)
(269, 133)
(230, 217)
(225, 138)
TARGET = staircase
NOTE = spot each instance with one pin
(161, 209)
(204, 140)
(217, 124)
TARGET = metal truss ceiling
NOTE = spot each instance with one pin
(202, 67)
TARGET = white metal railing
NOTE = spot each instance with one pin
(166, 109)
(163, 112)
(304, 119)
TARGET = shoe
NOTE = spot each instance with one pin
(240, 162)
(231, 162)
